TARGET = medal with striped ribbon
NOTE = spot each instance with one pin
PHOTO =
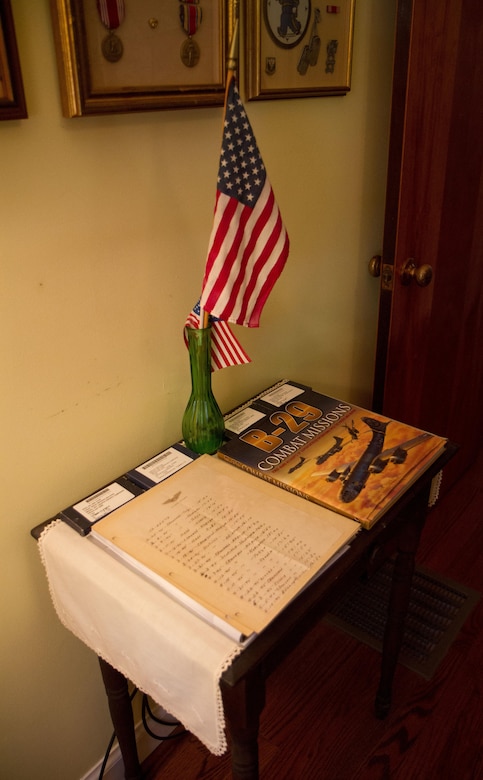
(190, 17)
(111, 13)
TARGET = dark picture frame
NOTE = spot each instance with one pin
(147, 59)
(12, 95)
(298, 48)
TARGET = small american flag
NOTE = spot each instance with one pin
(249, 244)
(226, 350)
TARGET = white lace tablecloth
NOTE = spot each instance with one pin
(165, 650)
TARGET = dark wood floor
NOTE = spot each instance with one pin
(318, 723)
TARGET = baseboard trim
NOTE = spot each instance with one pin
(145, 744)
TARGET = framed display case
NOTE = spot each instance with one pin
(298, 48)
(115, 56)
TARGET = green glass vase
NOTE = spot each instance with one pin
(203, 425)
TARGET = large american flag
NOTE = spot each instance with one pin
(226, 350)
(248, 245)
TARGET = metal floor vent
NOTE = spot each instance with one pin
(437, 610)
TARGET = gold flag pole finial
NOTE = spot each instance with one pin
(232, 62)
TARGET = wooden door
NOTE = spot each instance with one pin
(430, 346)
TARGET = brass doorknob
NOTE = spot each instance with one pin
(375, 265)
(421, 274)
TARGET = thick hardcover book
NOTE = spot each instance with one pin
(339, 455)
(232, 548)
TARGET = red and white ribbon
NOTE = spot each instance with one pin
(190, 15)
(111, 13)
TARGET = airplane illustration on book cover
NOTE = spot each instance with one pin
(345, 457)
(360, 475)
(373, 460)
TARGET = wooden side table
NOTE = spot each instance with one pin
(243, 684)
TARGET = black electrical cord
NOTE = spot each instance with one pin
(106, 756)
(154, 717)
(144, 709)
(147, 709)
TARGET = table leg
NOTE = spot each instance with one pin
(243, 704)
(120, 708)
(398, 606)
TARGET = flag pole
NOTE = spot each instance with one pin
(232, 61)
(231, 66)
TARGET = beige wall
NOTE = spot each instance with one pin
(104, 228)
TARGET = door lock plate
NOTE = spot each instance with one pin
(386, 276)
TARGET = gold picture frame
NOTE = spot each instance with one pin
(298, 48)
(142, 60)
(12, 95)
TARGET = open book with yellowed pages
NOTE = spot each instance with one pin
(232, 548)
